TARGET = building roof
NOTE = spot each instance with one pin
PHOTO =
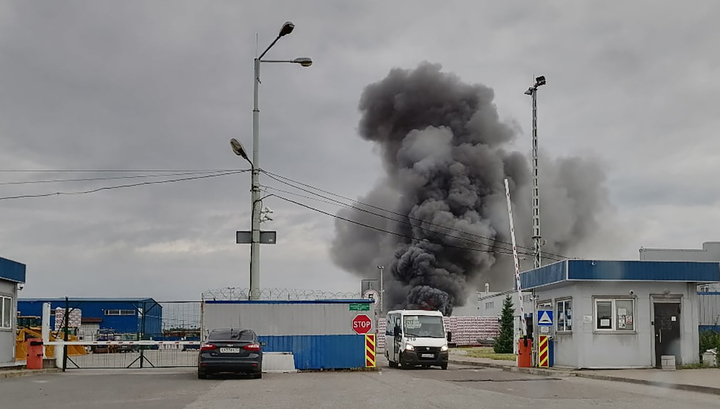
(12, 271)
(608, 270)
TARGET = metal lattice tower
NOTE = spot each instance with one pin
(537, 238)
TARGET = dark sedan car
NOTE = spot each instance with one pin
(230, 350)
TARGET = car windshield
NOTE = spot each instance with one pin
(423, 326)
(231, 335)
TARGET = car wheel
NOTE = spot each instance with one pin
(257, 375)
(393, 364)
(202, 375)
(444, 367)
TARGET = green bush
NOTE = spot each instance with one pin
(709, 339)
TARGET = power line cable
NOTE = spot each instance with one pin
(84, 192)
(388, 231)
(113, 170)
(335, 202)
(278, 178)
(30, 182)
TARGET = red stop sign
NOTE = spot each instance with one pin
(361, 324)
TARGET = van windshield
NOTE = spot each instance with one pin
(423, 326)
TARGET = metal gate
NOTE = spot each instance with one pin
(125, 354)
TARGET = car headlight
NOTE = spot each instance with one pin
(444, 348)
(409, 347)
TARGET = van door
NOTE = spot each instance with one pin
(390, 337)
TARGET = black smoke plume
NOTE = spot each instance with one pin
(444, 149)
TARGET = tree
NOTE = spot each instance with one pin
(504, 342)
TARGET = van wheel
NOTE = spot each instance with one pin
(403, 363)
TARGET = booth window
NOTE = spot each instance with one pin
(6, 312)
(614, 315)
(564, 315)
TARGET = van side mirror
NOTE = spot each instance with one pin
(449, 336)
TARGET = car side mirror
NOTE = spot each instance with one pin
(449, 336)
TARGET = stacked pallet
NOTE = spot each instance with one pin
(380, 341)
(470, 331)
(73, 322)
(466, 330)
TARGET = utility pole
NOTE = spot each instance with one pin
(256, 201)
(537, 239)
(382, 291)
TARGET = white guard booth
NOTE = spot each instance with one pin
(621, 314)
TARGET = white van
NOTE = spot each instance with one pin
(416, 337)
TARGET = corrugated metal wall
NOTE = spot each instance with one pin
(709, 308)
(319, 333)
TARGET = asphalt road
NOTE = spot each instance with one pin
(458, 387)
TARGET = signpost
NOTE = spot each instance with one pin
(361, 324)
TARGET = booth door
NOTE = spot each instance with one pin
(667, 331)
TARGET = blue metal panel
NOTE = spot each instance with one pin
(550, 274)
(12, 270)
(714, 328)
(608, 270)
(696, 272)
(348, 301)
(95, 308)
(320, 351)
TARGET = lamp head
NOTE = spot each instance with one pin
(286, 29)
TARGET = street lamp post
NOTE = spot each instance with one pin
(256, 208)
(532, 91)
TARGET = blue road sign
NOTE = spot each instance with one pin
(545, 318)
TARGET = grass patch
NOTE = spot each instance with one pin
(489, 354)
(697, 366)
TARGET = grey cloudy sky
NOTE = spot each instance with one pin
(165, 85)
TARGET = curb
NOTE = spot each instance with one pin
(27, 372)
(678, 386)
(532, 371)
(587, 375)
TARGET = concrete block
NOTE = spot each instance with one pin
(278, 362)
(709, 358)
(667, 362)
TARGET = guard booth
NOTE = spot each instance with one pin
(618, 314)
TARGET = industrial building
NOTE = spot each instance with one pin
(620, 314)
(12, 276)
(126, 318)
